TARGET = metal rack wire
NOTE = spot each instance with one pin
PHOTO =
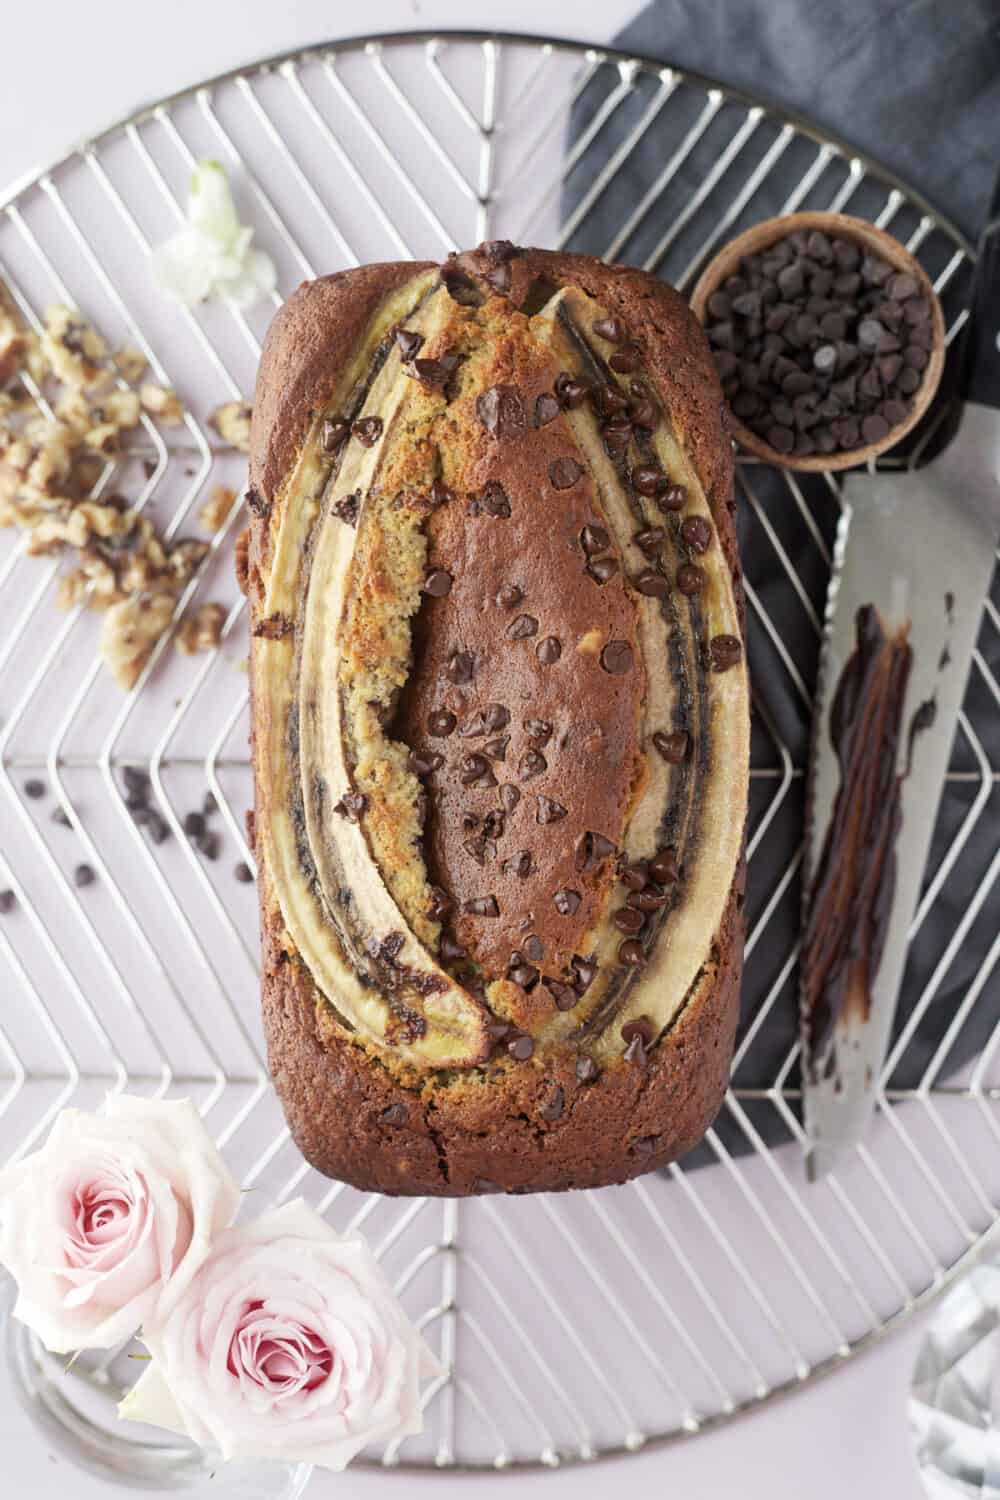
(574, 1327)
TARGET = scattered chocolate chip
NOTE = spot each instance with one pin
(460, 667)
(644, 414)
(690, 579)
(509, 796)
(673, 747)
(602, 569)
(633, 953)
(724, 652)
(571, 392)
(35, 789)
(481, 906)
(367, 431)
(208, 844)
(549, 650)
(521, 1048)
(157, 827)
(625, 360)
(408, 343)
(648, 479)
(538, 729)
(351, 806)
(591, 850)
(497, 749)
(451, 951)
(546, 409)
(584, 972)
(494, 502)
(635, 875)
(663, 868)
(347, 509)
(501, 411)
(395, 1116)
(477, 771)
(553, 1108)
(641, 1027)
(650, 540)
(587, 1070)
(610, 400)
(564, 473)
(243, 873)
(256, 504)
(567, 902)
(549, 811)
(193, 825)
(616, 658)
(520, 865)
(438, 583)
(647, 901)
(521, 973)
(83, 875)
(564, 996)
(335, 433)
(696, 533)
(673, 498)
(441, 904)
(423, 762)
(439, 494)
(612, 329)
(494, 824)
(628, 920)
(594, 539)
(522, 627)
(531, 765)
(477, 848)
(509, 595)
(441, 723)
(8, 901)
(652, 584)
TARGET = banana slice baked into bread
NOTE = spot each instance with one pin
(500, 723)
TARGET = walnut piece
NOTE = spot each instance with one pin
(214, 513)
(232, 423)
(200, 631)
(130, 632)
(162, 403)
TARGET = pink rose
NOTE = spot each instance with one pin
(94, 1224)
(288, 1343)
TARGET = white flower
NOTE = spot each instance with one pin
(288, 1343)
(212, 252)
(114, 1207)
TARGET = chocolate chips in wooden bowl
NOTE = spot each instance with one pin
(828, 338)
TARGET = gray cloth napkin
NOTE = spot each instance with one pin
(916, 85)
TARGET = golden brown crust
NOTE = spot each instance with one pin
(492, 1129)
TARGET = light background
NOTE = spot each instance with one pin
(71, 69)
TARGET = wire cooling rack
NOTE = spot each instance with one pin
(570, 1327)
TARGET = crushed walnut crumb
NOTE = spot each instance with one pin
(232, 423)
(215, 512)
(200, 630)
(49, 469)
(162, 403)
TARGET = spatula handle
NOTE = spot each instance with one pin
(981, 360)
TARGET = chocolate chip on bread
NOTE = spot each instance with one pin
(500, 723)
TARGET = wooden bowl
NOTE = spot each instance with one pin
(761, 237)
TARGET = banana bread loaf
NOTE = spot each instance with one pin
(500, 723)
